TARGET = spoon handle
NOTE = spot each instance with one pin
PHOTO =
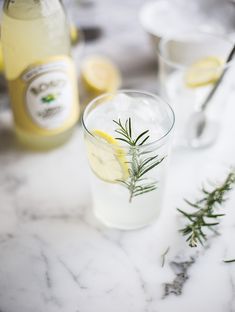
(211, 93)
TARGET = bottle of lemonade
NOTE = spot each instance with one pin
(40, 72)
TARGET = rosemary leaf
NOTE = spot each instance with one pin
(229, 261)
(144, 140)
(130, 132)
(147, 160)
(140, 136)
(151, 167)
(121, 133)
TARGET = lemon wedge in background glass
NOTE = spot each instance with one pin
(100, 75)
(73, 34)
(203, 72)
(108, 162)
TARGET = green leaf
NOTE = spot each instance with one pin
(229, 261)
(140, 136)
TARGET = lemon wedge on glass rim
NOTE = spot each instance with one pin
(108, 160)
(203, 72)
(99, 75)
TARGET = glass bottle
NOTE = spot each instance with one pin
(40, 72)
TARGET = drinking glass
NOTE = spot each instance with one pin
(189, 66)
(127, 136)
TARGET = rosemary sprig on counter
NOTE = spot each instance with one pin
(205, 211)
(139, 164)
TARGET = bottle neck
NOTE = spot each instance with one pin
(31, 9)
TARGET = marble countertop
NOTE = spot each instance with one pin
(55, 256)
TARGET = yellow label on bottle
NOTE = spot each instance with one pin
(45, 98)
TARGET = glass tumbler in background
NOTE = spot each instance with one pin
(189, 66)
(127, 135)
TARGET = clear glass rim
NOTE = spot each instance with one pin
(176, 35)
(126, 91)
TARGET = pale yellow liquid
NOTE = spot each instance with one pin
(29, 36)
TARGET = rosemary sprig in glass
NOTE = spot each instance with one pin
(140, 164)
(205, 211)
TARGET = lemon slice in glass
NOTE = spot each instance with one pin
(107, 161)
(203, 72)
(100, 75)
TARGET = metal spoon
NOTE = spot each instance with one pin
(200, 132)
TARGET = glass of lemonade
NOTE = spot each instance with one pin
(127, 136)
(189, 66)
